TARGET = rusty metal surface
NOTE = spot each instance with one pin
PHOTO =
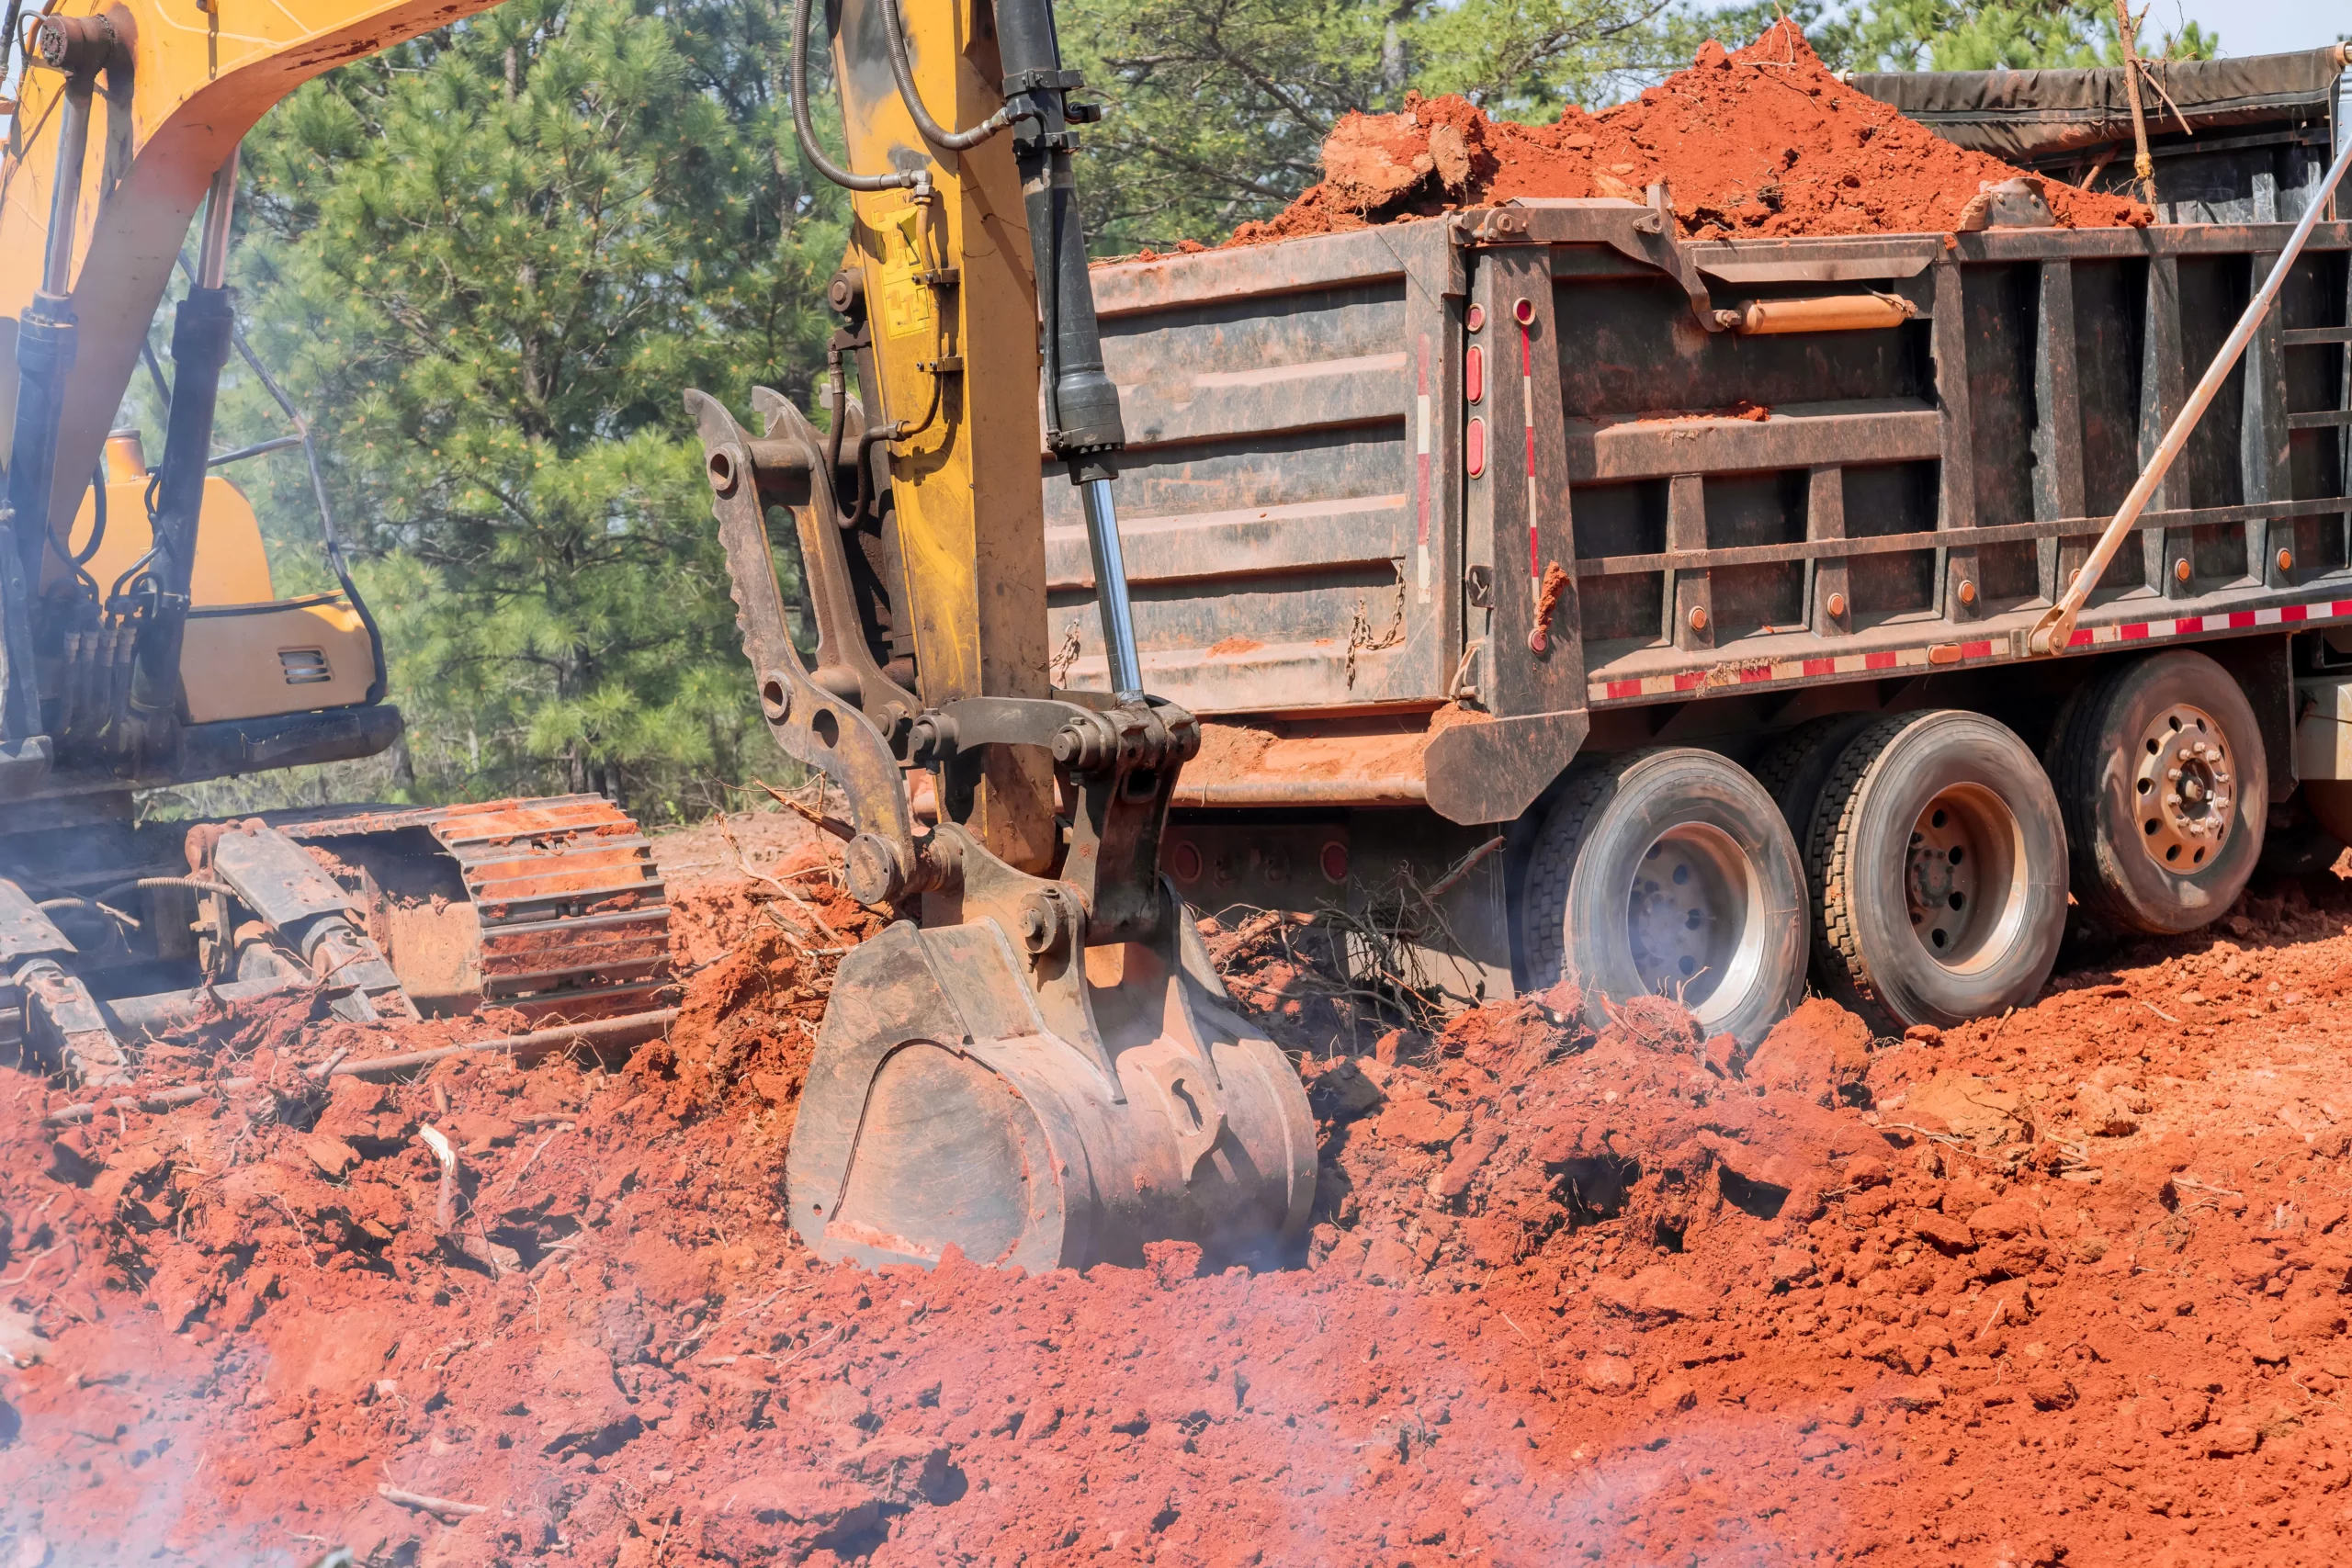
(569, 918)
(1290, 533)
(25, 931)
(1271, 762)
(1741, 512)
(954, 1099)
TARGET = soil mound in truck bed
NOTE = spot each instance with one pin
(1764, 141)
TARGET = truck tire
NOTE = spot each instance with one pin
(2147, 857)
(1938, 865)
(1794, 767)
(1669, 871)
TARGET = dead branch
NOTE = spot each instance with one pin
(441, 1506)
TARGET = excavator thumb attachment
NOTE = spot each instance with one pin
(946, 1107)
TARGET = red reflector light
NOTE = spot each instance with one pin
(1335, 861)
(1474, 373)
(1184, 860)
(1474, 447)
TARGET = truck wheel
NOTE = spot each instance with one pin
(1794, 767)
(1669, 872)
(1939, 872)
(2160, 774)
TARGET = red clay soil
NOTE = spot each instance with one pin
(1761, 142)
(2068, 1286)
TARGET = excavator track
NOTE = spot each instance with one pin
(552, 908)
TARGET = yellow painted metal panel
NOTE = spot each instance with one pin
(231, 567)
(200, 77)
(274, 659)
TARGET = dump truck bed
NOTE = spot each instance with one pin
(1341, 495)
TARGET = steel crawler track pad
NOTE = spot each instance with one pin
(943, 1109)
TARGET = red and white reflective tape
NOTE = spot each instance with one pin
(1731, 674)
(1421, 467)
(1527, 408)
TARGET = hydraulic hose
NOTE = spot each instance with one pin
(81, 557)
(894, 37)
(810, 148)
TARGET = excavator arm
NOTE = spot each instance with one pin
(1036, 1064)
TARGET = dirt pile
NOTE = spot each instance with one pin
(2068, 1286)
(1761, 142)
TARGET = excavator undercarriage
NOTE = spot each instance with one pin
(116, 935)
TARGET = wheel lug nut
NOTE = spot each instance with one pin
(2172, 775)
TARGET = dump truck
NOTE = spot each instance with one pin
(1554, 602)
(1697, 658)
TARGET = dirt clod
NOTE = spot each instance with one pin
(1612, 1296)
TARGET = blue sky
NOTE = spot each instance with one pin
(2262, 27)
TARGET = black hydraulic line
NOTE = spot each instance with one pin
(1083, 426)
(80, 559)
(896, 180)
(894, 38)
(200, 348)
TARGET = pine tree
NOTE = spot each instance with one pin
(488, 262)
(1980, 35)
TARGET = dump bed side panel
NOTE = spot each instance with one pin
(1737, 513)
(1759, 512)
(1284, 527)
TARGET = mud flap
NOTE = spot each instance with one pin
(942, 1109)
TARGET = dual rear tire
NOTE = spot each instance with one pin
(1669, 872)
(1917, 864)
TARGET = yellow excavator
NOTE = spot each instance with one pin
(1035, 1064)
(143, 643)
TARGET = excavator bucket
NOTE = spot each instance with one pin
(943, 1109)
(1041, 1071)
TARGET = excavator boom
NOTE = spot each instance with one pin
(172, 91)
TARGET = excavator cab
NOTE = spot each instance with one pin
(1035, 1064)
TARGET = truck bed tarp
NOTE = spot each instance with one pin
(2021, 115)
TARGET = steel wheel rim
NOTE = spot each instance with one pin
(1964, 879)
(2184, 789)
(1695, 920)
